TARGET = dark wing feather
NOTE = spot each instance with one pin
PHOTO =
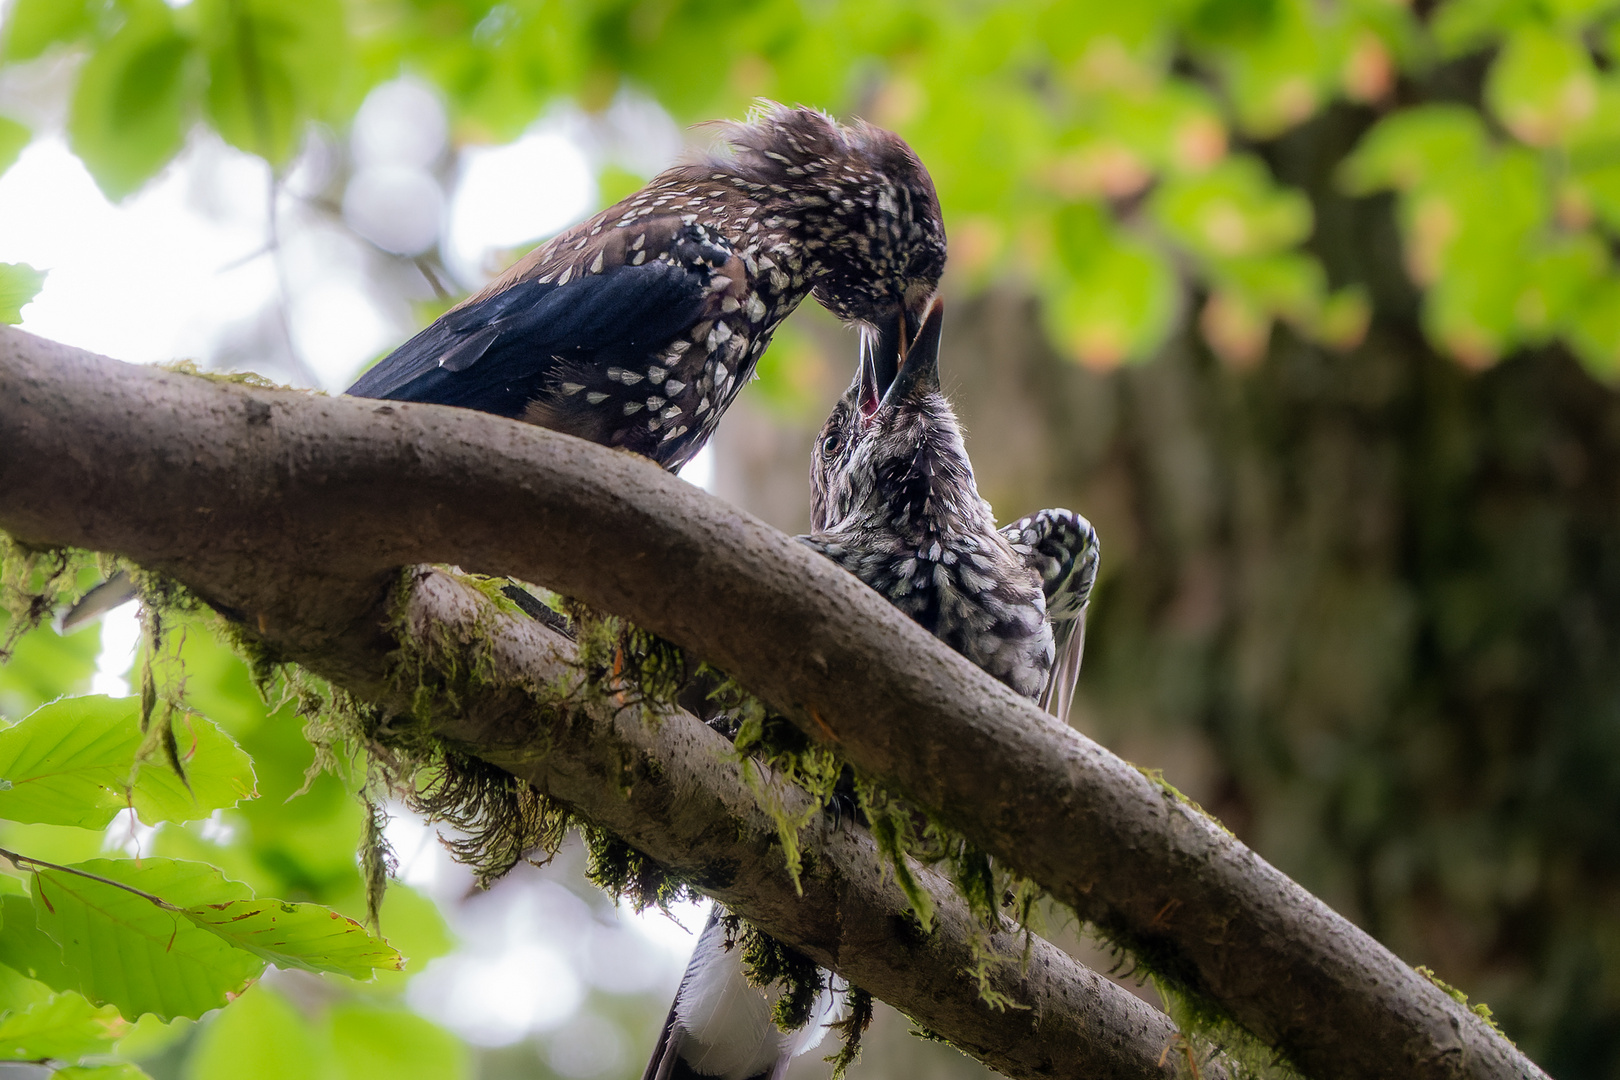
(496, 354)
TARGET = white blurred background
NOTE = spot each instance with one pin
(305, 280)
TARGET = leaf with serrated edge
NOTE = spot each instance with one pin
(67, 760)
(63, 1026)
(129, 952)
(304, 936)
(219, 772)
(69, 763)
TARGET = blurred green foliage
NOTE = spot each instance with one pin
(1108, 155)
(19, 283)
(1119, 160)
(82, 959)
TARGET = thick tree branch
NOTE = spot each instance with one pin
(673, 790)
(228, 488)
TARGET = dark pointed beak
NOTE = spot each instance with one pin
(869, 383)
(906, 337)
(881, 353)
(919, 366)
(891, 341)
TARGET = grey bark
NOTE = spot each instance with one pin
(290, 513)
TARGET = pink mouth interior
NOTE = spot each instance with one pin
(869, 401)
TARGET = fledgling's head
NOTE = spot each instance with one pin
(891, 453)
(864, 198)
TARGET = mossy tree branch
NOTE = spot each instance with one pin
(290, 514)
(670, 786)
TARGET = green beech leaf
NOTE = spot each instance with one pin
(28, 950)
(126, 951)
(119, 1070)
(219, 774)
(272, 66)
(304, 936)
(32, 26)
(1413, 148)
(260, 1037)
(67, 762)
(19, 283)
(18, 991)
(129, 111)
(149, 1036)
(1118, 299)
(369, 1041)
(1177, 127)
(46, 665)
(415, 927)
(1595, 333)
(13, 137)
(1600, 187)
(1542, 86)
(1556, 283)
(1275, 78)
(1342, 323)
(62, 1026)
(1234, 210)
(1288, 284)
(70, 763)
(1473, 240)
(1469, 314)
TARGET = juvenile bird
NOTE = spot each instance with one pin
(637, 327)
(893, 501)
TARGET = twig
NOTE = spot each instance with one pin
(19, 860)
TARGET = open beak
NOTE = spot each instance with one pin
(905, 342)
(919, 366)
(874, 375)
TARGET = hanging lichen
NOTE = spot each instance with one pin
(626, 665)
(35, 582)
(500, 820)
(626, 874)
(851, 1029)
(377, 862)
(771, 965)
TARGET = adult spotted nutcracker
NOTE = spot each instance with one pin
(637, 327)
(893, 501)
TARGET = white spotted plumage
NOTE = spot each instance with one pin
(893, 500)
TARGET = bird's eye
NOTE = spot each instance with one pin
(832, 444)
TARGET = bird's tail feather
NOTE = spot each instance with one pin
(720, 1026)
(1069, 637)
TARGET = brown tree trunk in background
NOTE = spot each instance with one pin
(1364, 608)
